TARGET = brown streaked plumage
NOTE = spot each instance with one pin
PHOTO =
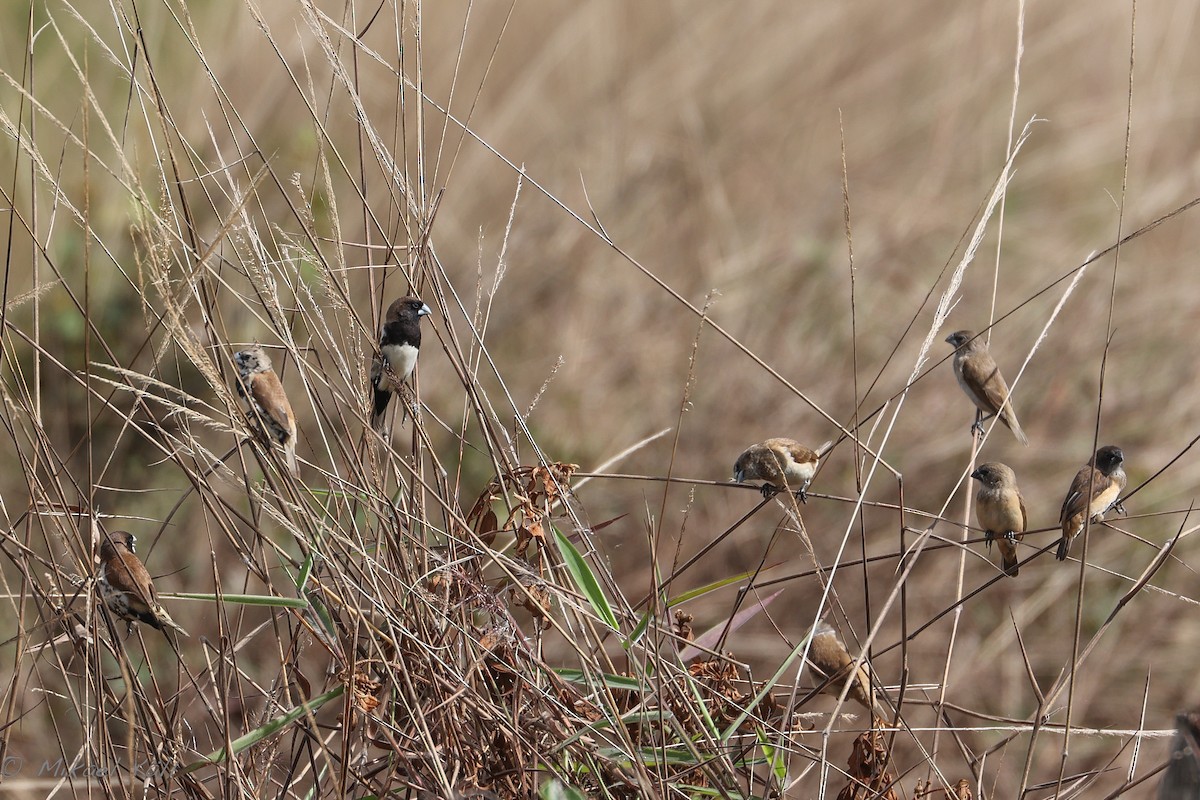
(784, 464)
(1095, 489)
(125, 585)
(831, 663)
(399, 345)
(1000, 510)
(981, 380)
(260, 387)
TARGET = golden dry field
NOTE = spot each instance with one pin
(651, 234)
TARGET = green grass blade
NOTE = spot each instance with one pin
(242, 599)
(554, 790)
(270, 729)
(585, 579)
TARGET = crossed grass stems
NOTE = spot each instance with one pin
(368, 588)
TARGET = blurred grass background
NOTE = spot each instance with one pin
(706, 139)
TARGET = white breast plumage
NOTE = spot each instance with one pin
(401, 358)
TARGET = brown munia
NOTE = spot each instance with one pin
(399, 345)
(784, 464)
(1095, 489)
(260, 387)
(831, 663)
(981, 380)
(125, 585)
(1000, 510)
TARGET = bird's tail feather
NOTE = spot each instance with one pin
(1064, 547)
(165, 621)
(1010, 559)
(289, 452)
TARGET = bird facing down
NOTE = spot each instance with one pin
(260, 387)
(831, 663)
(784, 464)
(1095, 490)
(1000, 510)
(399, 343)
(980, 378)
(125, 585)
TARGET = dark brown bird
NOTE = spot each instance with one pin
(263, 392)
(399, 344)
(1000, 510)
(980, 378)
(831, 663)
(125, 585)
(784, 464)
(1095, 490)
(1181, 779)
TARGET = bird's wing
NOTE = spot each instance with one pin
(801, 454)
(131, 570)
(268, 393)
(987, 384)
(1074, 503)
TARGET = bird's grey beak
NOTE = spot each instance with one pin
(948, 339)
(976, 475)
(424, 312)
(739, 475)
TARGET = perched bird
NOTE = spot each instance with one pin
(260, 387)
(980, 378)
(1000, 510)
(1181, 779)
(782, 463)
(1095, 490)
(831, 663)
(399, 343)
(125, 585)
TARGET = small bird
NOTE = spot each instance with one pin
(1095, 490)
(831, 663)
(125, 585)
(782, 463)
(1000, 510)
(980, 378)
(399, 343)
(1181, 780)
(260, 387)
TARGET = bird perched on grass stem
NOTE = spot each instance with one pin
(125, 585)
(1095, 489)
(399, 344)
(831, 662)
(784, 464)
(980, 378)
(1000, 510)
(263, 392)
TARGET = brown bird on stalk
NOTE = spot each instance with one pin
(1000, 510)
(980, 378)
(1095, 489)
(259, 385)
(125, 585)
(784, 464)
(831, 663)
